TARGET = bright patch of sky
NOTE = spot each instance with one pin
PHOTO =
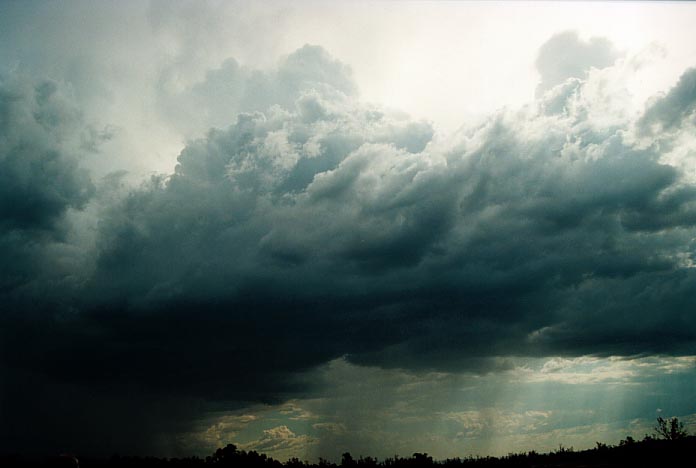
(536, 404)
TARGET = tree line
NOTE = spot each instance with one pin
(669, 446)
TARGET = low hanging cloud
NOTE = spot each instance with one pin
(317, 227)
(280, 442)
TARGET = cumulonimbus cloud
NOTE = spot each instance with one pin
(316, 226)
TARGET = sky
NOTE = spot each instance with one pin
(308, 228)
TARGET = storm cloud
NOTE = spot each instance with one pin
(41, 142)
(356, 233)
(317, 227)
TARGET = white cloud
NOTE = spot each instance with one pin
(595, 370)
(223, 430)
(281, 443)
(485, 422)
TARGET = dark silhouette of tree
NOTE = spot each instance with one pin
(367, 461)
(325, 463)
(673, 447)
(225, 456)
(421, 459)
(347, 459)
(671, 429)
(295, 463)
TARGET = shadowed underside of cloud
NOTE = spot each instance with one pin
(317, 227)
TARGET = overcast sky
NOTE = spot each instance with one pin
(309, 228)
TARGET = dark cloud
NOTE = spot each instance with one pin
(565, 56)
(104, 342)
(42, 138)
(320, 227)
(676, 107)
(45, 416)
(40, 180)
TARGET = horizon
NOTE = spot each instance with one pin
(670, 442)
(314, 228)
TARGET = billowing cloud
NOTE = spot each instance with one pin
(316, 228)
(673, 109)
(566, 55)
(42, 139)
(40, 177)
(232, 88)
(332, 228)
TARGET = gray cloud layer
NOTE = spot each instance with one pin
(317, 227)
